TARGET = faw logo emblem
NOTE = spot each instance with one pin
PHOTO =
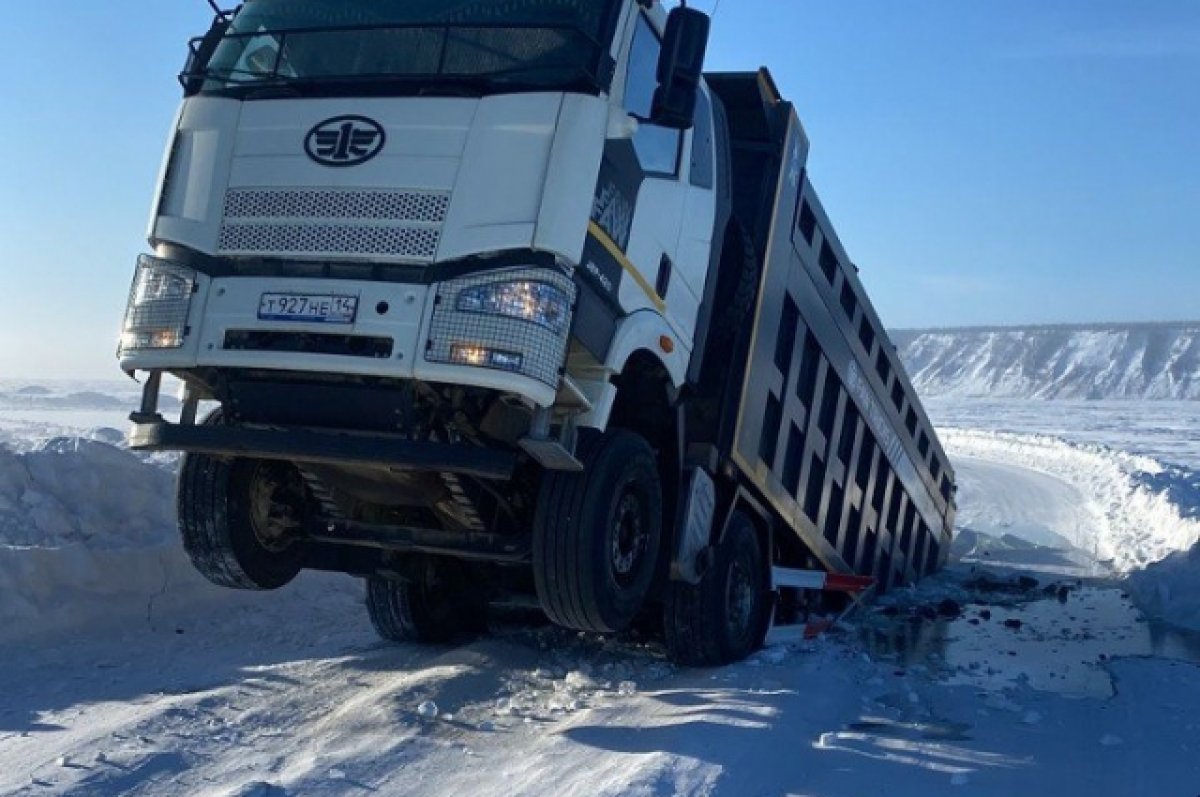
(345, 141)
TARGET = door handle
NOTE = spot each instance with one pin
(663, 282)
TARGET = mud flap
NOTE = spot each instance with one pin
(691, 552)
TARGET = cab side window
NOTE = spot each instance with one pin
(657, 147)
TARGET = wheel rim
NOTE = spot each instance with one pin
(273, 512)
(629, 534)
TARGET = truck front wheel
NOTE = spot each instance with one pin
(241, 520)
(597, 534)
(724, 618)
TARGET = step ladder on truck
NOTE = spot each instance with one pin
(501, 300)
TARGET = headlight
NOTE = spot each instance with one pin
(528, 300)
(156, 317)
(516, 320)
(466, 354)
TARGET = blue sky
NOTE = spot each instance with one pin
(993, 161)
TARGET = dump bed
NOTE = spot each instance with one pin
(826, 425)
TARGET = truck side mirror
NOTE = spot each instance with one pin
(679, 68)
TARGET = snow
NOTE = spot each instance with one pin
(1021, 670)
(1170, 588)
(1129, 361)
(1129, 516)
(86, 533)
(93, 409)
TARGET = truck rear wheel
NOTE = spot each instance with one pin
(724, 618)
(597, 534)
(241, 520)
(433, 603)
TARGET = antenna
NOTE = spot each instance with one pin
(716, 8)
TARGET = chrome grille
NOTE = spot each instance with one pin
(328, 222)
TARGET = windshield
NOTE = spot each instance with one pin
(419, 46)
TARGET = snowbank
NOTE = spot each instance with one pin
(1170, 589)
(87, 535)
(1147, 513)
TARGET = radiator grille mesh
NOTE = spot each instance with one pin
(324, 203)
(418, 243)
(329, 222)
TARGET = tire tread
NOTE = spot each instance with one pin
(565, 575)
(694, 615)
(202, 506)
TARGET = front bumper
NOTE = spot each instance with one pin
(309, 446)
(401, 331)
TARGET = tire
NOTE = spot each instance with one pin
(597, 534)
(241, 519)
(434, 604)
(724, 618)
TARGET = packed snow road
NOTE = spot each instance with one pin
(1016, 672)
(295, 697)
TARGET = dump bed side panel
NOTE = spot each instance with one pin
(828, 427)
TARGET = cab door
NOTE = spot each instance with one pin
(662, 197)
(652, 216)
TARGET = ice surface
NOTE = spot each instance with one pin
(1168, 431)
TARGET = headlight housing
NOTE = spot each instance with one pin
(159, 301)
(515, 319)
(529, 300)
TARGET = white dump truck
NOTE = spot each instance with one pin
(507, 299)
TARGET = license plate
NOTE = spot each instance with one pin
(313, 308)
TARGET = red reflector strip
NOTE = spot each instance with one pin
(847, 583)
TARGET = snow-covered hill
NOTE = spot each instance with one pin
(1113, 361)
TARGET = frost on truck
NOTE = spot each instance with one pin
(508, 301)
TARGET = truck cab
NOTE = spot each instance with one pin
(450, 193)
